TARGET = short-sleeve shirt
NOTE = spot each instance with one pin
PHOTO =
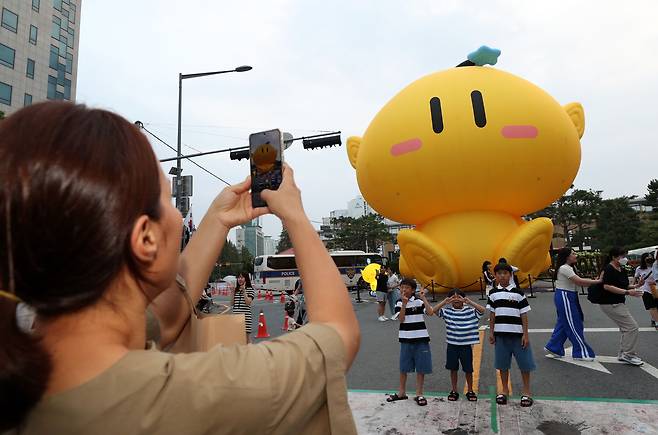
(382, 283)
(292, 384)
(413, 328)
(461, 325)
(563, 282)
(646, 275)
(240, 305)
(612, 276)
(508, 304)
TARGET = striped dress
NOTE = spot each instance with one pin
(241, 307)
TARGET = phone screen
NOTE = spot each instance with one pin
(266, 159)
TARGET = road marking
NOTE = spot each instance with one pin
(597, 363)
(591, 330)
(477, 361)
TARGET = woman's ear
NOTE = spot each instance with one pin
(144, 240)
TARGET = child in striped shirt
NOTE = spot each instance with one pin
(508, 325)
(415, 354)
(461, 334)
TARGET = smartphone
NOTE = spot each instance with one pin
(266, 160)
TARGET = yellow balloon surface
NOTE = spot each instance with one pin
(462, 155)
(369, 275)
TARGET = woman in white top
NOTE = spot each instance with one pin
(644, 273)
(569, 314)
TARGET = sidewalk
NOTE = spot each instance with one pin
(550, 416)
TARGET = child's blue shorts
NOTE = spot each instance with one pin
(456, 353)
(415, 357)
(508, 345)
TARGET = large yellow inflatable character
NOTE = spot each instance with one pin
(463, 154)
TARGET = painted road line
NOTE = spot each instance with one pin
(477, 362)
(494, 410)
(546, 330)
(597, 363)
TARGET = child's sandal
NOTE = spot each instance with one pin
(453, 396)
(471, 396)
(501, 399)
(420, 400)
(526, 401)
(394, 397)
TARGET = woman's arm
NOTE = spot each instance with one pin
(584, 282)
(247, 299)
(230, 208)
(327, 300)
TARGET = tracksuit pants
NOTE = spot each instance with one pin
(569, 325)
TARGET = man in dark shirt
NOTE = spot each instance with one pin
(613, 304)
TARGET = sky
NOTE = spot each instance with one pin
(325, 66)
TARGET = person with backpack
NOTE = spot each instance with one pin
(569, 313)
(613, 303)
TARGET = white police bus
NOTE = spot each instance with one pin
(279, 272)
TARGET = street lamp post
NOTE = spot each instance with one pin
(182, 77)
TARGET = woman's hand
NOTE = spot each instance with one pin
(636, 293)
(233, 207)
(286, 201)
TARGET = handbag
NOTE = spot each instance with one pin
(205, 331)
(594, 293)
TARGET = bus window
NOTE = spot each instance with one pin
(278, 263)
(258, 261)
(344, 260)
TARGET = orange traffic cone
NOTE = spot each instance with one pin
(262, 326)
(282, 299)
(271, 297)
(285, 322)
(260, 296)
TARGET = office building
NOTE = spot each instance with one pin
(39, 42)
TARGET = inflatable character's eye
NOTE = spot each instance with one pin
(478, 109)
(437, 116)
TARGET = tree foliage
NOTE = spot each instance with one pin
(367, 231)
(232, 261)
(284, 241)
(617, 224)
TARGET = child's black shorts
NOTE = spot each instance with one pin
(456, 354)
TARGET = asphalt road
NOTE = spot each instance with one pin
(377, 364)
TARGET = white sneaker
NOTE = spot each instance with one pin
(631, 359)
(555, 355)
(395, 316)
(382, 318)
(583, 358)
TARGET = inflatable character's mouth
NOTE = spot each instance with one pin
(406, 147)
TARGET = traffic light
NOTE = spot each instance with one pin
(322, 142)
(239, 155)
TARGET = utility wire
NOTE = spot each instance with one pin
(183, 157)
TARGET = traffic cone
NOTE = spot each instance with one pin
(260, 296)
(285, 322)
(282, 299)
(271, 297)
(262, 326)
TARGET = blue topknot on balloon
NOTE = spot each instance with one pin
(484, 56)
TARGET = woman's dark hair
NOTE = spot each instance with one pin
(247, 280)
(643, 260)
(562, 256)
(485, 265)
(74, 180)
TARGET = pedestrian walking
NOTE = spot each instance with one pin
(570, 318)
(613, 304)
(644, 272)
(393, 295)
(381, 293)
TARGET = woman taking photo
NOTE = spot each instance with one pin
(89, 238)
(569, 313)
(241, 300)
(613, 303)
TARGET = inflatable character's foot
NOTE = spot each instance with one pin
(527, 248)
(425, 260)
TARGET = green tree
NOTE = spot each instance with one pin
(652, 197)
(228, 263)
(2, 114)
(247, 260)
(365, 233)
(573, 214)
(617, 224)
(284, 241)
